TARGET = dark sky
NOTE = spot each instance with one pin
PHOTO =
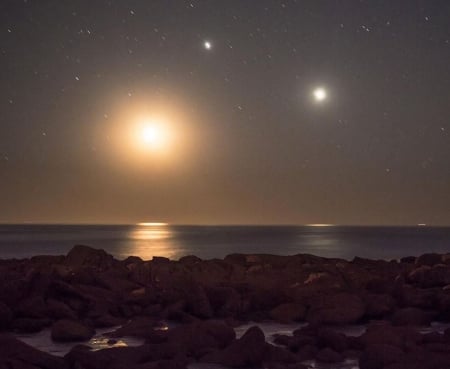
(252, 144)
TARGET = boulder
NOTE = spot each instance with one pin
(71, 331)
(25, 356)
(248, 351)
(5, 316)
(198, 303)
(288, 313)
(142, 327)
(328, 355)
(59, 310)
(29, 325)
(411, 316)
(429, 259)
(81, 256)
(199, 337)
(339, 308)
(379, 356)
(330, 338)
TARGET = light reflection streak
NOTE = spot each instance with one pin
(151, 239)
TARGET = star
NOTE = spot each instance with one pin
(207, 45)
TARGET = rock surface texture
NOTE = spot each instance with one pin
(203, 300)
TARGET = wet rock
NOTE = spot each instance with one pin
(71, 331)
(340, 308)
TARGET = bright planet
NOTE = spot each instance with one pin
(320, 94)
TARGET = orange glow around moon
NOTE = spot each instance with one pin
(154, 134)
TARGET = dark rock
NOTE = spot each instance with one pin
(32, 307)
(273, 354)
(5, 316)
(59, 310)
(384, 333)
(429, 259)
(119, 357)
(225, 301)
(198, 302)
(80, 256)
(71, 331)
(143, 327)
(29, 325)
(248, 351)
(379, 356)
(411, 316)
(288, 313)
(190, 260)
(340, 308)
(408, 260)
(330, 338)
(13, 350)
(328, 355)
(202, 335)
(378, 305)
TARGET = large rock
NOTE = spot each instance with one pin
(288, 313)
(199, 337)
(379, 356)
(145, 356)
(339, 308)
(71, 331)
(248, 351)
(411, 316)
(5, 316)
(429, 259)
(23, 356)
(81, 256)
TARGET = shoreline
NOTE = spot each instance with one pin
(204, 300)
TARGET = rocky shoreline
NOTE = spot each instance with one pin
(204, 300)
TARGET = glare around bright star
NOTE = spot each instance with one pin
(320, 94)
(207, 45)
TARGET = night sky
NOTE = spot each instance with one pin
(275, 112)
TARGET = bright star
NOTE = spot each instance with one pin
(320, 94)
(207, 45)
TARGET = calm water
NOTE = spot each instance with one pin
(148, 240)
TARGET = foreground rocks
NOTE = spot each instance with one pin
(88, 289)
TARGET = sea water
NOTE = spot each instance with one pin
(174, 241)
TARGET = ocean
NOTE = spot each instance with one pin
(174, 241)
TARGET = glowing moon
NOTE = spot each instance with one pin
(207, 45)
(320, 94)
(153, 134)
